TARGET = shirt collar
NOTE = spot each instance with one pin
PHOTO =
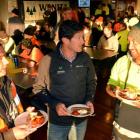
(62, 54)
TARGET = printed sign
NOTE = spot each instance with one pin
(34, 10)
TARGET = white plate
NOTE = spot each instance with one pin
(127, 101)
(80, 106)
(22, 118)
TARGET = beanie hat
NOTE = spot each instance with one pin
(134, 33)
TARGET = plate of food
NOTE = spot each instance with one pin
(34, 119)
(79, 110)
(127, 96)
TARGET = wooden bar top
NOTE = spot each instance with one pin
(99, 54)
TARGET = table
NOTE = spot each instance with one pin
(24, 83)
(101, 54)
(23, 80)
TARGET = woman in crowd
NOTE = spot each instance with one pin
(108, 41)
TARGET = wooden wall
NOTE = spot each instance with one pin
(4, 11)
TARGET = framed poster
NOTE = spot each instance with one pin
(83, 3)
(34, 10)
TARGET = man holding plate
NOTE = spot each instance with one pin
(124, 85)
(69, 75)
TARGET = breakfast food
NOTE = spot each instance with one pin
(128, 95)
(35, 118)
(80, 111)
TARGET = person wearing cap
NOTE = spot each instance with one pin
(10, 106)
(124, 78)
(29, 52)
(29, 33)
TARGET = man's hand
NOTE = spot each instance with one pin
(111, 90)
(90, 105)
(22, 131)
(61, 109)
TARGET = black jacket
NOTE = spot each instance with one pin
(71, 83)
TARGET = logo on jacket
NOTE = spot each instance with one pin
(60, 70)
(79, 66)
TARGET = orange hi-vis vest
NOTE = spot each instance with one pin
(35, 55)
(16, 100)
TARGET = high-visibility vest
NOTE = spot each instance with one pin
(3, 124)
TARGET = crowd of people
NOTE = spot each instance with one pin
(66, 74)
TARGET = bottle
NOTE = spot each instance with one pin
(16, 62)
(11, 65)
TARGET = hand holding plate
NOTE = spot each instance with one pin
(90, 105)
(61, 109)
(22, 131)
(79, 110)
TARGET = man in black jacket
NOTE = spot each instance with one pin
(69, 75)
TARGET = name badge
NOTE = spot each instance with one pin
(60, 72)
